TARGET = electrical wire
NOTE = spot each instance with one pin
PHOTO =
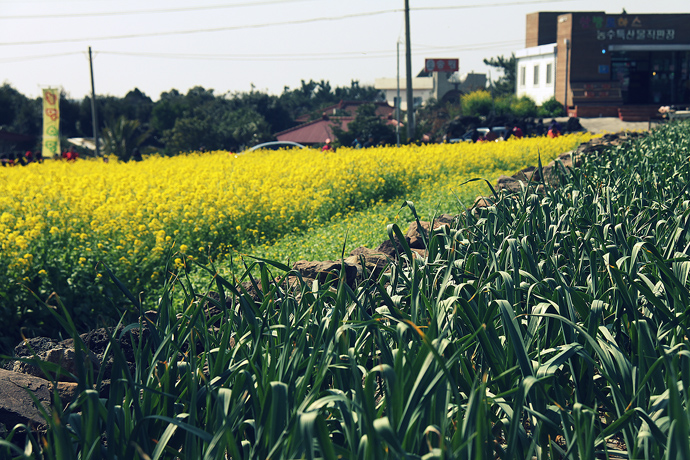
(274, 24)
(133, 12)
(258, 3)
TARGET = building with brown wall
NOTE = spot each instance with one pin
(614, 64)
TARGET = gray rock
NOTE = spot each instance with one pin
(414, 235)
(322, 270)
(16, 406)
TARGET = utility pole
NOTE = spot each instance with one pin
(397, 99)
(408, 71)
(94, 116)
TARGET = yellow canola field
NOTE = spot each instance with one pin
(58, 220)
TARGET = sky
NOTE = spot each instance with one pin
(236, 46)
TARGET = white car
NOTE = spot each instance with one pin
(276, 145)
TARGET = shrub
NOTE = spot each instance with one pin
(523, 107)
(477, 103)
(551, 108)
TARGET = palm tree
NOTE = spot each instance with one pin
(122, 137)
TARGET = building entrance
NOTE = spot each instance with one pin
(652, 77)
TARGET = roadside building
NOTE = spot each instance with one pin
(442, 86)
(600, 64)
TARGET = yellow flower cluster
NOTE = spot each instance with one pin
(129, 214)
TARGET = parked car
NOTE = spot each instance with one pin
(276, 145)
(500, 130)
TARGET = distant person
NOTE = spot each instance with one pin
(327, 146)
(490, 136)
(554, 129)
(356, 144)
(540, 129)
(29, 156)
(71, 154)
(517, 132)
(136, 154)
(369, 142)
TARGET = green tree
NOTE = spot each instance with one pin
(121, 137)
(477, 103)
(367, 124)
(523, 107)
(246, 127)
(505, 84)
(189, 134)
(167, 110)
(551, 108)
(18, 113)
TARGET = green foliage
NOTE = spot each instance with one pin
(122, 137)
(186, 122)
(18, 113)
(551, 108)
(548, 325)
(503, 106)
(505, 84)
(366, 125)
(481, 103)
(523, 107)
(477, 103)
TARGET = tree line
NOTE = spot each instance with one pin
(203, 120)
(176, 122)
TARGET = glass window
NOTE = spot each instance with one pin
(536, 75)
(522, 75)
(549, 74)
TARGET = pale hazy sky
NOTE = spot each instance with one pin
(236, 45)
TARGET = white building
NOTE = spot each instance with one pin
(536, 68)
(430, 85)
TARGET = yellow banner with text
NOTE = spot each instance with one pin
(51, 122)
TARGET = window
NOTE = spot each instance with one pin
(549, 74)
(536, 75)
(522, 75)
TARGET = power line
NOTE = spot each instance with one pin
(207, 30)
(314, 56)
(273, 24)
(343, 55)
(164, 10)
(41, 56)
(249, 4)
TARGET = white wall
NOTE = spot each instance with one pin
(422, 90)
(533, 68)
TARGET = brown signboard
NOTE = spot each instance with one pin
(650, 29)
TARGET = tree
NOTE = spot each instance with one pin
(367, 124)
(121, 137)
(505, 84)
(477, 103)
(18, 113)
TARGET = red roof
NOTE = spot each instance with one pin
(314, 132)
(317, 131)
